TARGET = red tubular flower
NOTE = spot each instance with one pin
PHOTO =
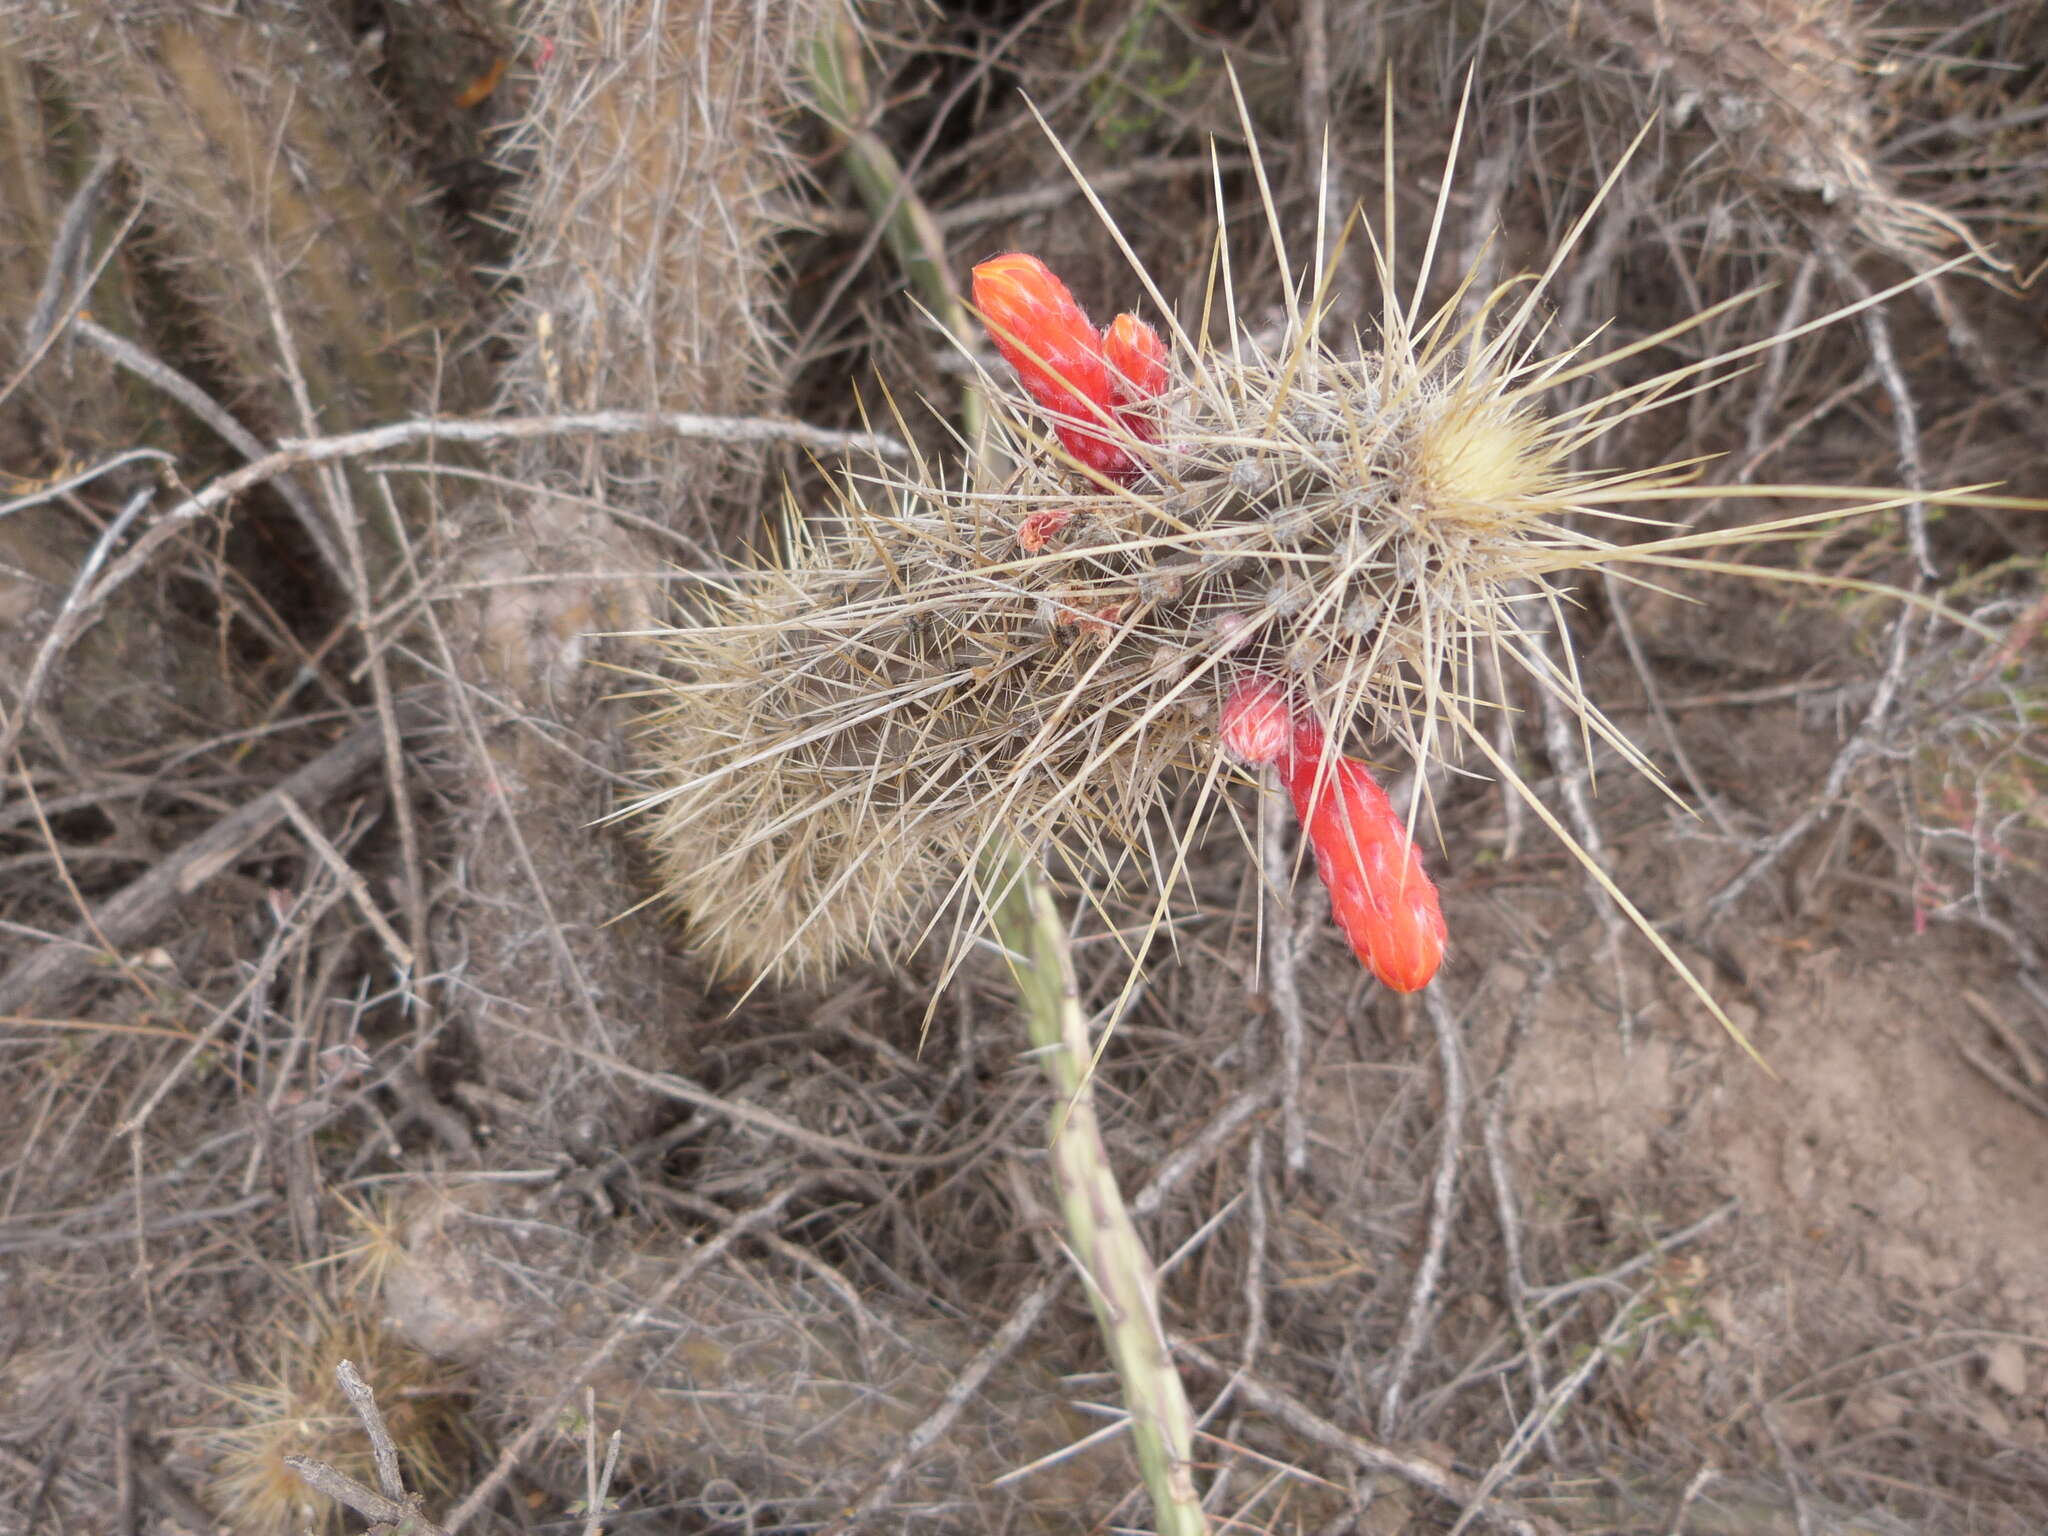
(1379, 893)
(1045, 336)
(1137, 362)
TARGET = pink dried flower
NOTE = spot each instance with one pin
(1040, 528)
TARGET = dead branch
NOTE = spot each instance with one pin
(153, 370)
(125, 918)
(392, 1510)
(296, 453)
(1870, 731)
(1032, 1307)
(1368, 1454)
(1415, 1324)
(1281, 861)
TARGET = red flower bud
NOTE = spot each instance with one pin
(1045, 336)
(1255, 724)
(1137, 361)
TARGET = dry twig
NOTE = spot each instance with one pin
(1870, 732)
(1418, 1470)
(70, 621)
(691, 1264)
(150, 368)
(1281, 862)
(1032, 1307)
(125, 918)
(1507, 1207)
(1415, 1323)
(1539, 1418)
(388, 1506)
(301, 452)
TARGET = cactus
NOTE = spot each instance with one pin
(279, 200)
(940, 666)
(646, 265)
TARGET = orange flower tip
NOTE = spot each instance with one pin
(1041, 528)
(1138, 356)
(1254, 725)
(1401, 942)
(1138, 374)
(1014, 266)
(1417, 973)
(1408, 949)
(1039, 328)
